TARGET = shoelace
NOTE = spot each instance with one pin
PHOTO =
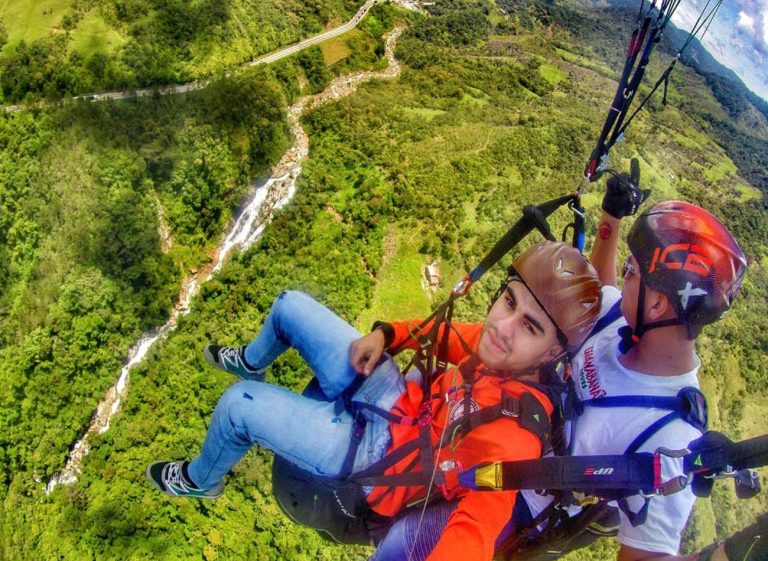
(173, 478)
(235, 356)
(232, 353)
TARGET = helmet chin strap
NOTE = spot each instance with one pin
(631, 337)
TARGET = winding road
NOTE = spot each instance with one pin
(192, 86)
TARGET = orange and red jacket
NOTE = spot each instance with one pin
(473, 527)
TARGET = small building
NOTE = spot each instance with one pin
(432, 275)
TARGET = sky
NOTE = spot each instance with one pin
(737, 38)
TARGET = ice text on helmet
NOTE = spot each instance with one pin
(684, 256)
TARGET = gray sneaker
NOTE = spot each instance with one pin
(169, 478)
(230, 359)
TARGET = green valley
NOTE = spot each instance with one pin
(106, 206)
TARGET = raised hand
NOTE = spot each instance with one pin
(623, 195)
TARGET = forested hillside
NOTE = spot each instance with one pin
(105, 207)
(64, 47)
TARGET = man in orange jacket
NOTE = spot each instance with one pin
(546, 308)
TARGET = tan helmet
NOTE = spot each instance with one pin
(566, 286)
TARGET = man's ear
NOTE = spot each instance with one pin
(658, 306)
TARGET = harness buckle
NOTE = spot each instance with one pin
(603, 165)
(450, 469)
(669, 453)
(673, 485)
(577, 211)
(462, 287)
(424, 342)
(510, 408)
(449, 465)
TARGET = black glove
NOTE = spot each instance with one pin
(623, 195)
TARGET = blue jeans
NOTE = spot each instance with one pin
(415, 535)
(313, 434)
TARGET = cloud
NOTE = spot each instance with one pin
(753, 23)
(765, 26)
(738, 37)
(685, 16)
(746, 21)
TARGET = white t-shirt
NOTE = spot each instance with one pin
(597, 372)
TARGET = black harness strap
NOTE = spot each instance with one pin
(467, 369)
(703, 21)
(597, 519)
(619, 100)
(442, 364)
(623, 96)
(621, 475)
(609, 476)
(358, 430)
(522, 535)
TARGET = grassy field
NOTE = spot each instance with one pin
(719, 171)
(588, 63)
(423, 112)
(399, 291)
(337, 48)
(31, 20)
(94, 35)
(552, 74)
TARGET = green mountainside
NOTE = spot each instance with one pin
(498, 105)
(65, 47)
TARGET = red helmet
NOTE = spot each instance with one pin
(687, 254)
(565, 285)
